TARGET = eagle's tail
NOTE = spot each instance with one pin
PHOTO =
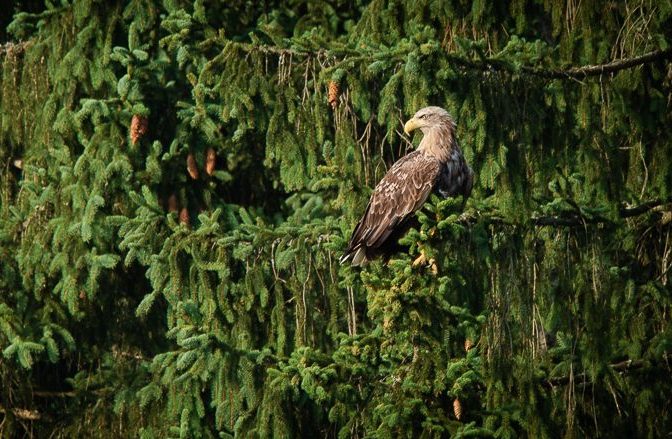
(358, 256)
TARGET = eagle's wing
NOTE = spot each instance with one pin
(401, 192)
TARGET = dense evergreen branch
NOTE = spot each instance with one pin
(244, 324)
(487, 64)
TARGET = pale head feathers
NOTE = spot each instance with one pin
(438, 128)
(428, 118)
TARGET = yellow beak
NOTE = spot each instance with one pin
(411, 125)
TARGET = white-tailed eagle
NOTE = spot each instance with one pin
(436, 165)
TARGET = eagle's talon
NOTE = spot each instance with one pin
(420, 260)
(433, 267)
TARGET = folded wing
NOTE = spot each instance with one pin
(401, 192)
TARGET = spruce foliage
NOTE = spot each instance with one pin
(179, 177)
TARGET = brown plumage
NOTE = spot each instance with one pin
(437, 164)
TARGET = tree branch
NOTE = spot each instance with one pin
(571, 73)
(627, 212)
(623, 367)
(53, 394)
(578, 220)
(486, 64)
(601, 69)
(28, 415)
(570, 219)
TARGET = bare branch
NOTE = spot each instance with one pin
(572, 73)
(28, 415)
(622, 367)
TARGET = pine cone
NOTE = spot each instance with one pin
(191, 166)
(139, 125)
(210, 161)
(468, 344)
(334, 93)
(457, 409)
(184, 216)
(172, 203)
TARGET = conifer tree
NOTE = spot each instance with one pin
(179, 178)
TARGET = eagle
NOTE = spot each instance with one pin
(436, 165)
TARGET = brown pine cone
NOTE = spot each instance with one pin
(172, 203)
(468, 344)
(139, 125)
(191, 166)
(184, 216)
(210, 161)
(457, 409)
(334, 93)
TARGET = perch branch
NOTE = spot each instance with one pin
(622, 367)
(571, 73)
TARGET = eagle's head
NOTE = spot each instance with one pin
(428, 118)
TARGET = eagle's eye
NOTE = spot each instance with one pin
(423, 116)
